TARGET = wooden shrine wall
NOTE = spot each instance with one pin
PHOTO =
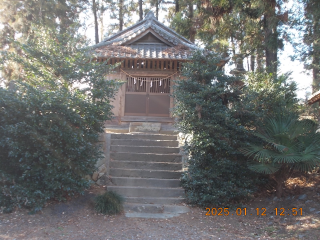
(139, 67)
(146, 64)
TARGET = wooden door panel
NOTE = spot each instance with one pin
(159, 105)
(135, 105)
(147, 96)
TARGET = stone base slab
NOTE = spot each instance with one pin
(144, 127)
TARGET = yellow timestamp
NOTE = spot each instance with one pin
(225, 212)
(253, 212)
(288, 211)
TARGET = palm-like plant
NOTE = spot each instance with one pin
(287, 144)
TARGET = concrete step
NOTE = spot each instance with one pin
(144, 136)
(146, 208)
(137, 149)
(146, 165)
(146, 157)
(151, 215)
(144, 142)
(118, 129)
(119, 172)
(155, 200)
(145, 127)
(145, 182)
(162, 120)
(147, 191)
(154, 210)
(146, 169)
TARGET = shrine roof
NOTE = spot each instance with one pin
(149, 39)
(145, 51)
(314, 98)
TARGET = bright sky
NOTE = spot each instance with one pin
(299, 74)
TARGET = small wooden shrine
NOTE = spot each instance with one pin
(151, 55)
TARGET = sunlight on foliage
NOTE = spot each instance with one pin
(49, 129)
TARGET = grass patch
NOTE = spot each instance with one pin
(109, 203)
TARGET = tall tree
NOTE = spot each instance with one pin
(140, 10)
(102, 8)
(121, 11)
(99, 7)
(192, 31)
(18, 16)
(156, 4)
(184, 18)
(270, 26)
(251, 27)
(95, 16)
(310, 52)
(177, 6)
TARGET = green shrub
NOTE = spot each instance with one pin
(265, 95)
(286, 145)
(109, 203)
(220, 114)
(44, 151)
(224, 183)
(48, 129)
(205, 106)
(273, 128)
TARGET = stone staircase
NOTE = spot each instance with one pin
(146, 168)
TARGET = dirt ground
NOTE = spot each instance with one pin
(76, 219)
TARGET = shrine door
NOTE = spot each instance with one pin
(147, 96)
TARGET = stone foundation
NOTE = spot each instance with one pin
(101, 175)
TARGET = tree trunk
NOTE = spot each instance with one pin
(315, 74)
(192, 31)
(252, 61)
(177, 9)
(271, 37)
(259, 60)
(157, 9)
(120, 15)
(64, 20)
(101, 23)
(233, 46)
(316, 55)
(280, 177)
(140, 10)
(96, 27)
